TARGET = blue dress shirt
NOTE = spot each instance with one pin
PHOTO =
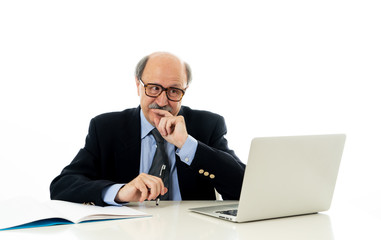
(148, 148)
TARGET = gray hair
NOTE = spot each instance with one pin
(143, 62)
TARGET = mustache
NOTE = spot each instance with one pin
(156, 106)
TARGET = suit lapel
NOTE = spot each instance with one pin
(127, 152)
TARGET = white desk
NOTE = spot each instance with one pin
(172, 220)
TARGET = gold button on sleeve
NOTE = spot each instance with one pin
(201, 171)
(212, 176)
(206, 174)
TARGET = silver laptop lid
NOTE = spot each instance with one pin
(288, 176)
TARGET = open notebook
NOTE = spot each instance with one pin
(29, 213)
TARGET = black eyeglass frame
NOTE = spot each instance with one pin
(162, 89)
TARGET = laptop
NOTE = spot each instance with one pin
(285, 176)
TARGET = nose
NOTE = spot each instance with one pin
(162, 99)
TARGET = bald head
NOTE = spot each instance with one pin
(163, 61)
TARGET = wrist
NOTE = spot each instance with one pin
(182, 142)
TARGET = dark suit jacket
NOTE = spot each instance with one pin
(112, 155)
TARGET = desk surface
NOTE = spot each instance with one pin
(172, 220)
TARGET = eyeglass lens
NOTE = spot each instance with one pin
(154, 90)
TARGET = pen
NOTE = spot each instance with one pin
(161, 173)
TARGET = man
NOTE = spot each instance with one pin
(115, 165)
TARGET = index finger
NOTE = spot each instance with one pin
(163, 113)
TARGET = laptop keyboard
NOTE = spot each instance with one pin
(232, 212)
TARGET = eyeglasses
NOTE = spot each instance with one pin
(154, 90)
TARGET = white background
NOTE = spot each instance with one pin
(271, 68)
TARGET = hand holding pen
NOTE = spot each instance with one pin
(161, 176)
(140, 189)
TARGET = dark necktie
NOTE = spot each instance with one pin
(160, 164)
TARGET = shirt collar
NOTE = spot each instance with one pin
(146, 127)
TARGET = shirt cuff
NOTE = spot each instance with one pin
(187, 152)
(109, 194)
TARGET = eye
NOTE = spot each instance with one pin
(175, 92)
(154, 88)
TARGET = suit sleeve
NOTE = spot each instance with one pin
(80, 181)
(216, 161)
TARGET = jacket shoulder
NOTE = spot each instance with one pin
(113, 122)
(189, 113)
(203, 124)
(116, 117)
